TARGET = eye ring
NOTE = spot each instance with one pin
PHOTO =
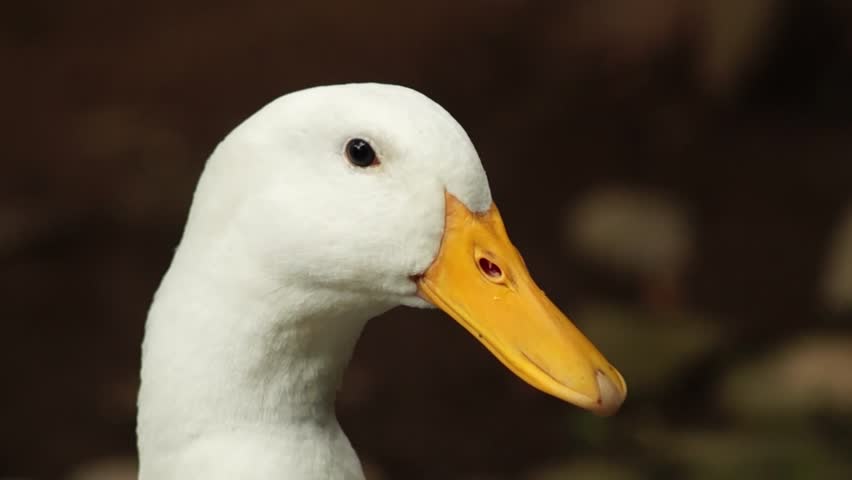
(360, 153)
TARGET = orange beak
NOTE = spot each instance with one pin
(480, 280)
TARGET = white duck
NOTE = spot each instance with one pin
(324, 209)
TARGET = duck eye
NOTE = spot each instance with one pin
(360, 153)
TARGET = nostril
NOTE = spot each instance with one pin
(489, 268)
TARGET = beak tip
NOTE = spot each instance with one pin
(611, 396)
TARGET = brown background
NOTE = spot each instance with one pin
(737, 113)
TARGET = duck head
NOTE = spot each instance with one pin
(375, 192)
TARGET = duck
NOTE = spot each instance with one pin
(322, 210)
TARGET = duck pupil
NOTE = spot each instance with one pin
(360, 153)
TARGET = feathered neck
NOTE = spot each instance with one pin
(230, 353)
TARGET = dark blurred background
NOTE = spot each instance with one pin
(677, 174)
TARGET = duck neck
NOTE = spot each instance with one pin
(242, 355)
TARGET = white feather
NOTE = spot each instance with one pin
(288, 251)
